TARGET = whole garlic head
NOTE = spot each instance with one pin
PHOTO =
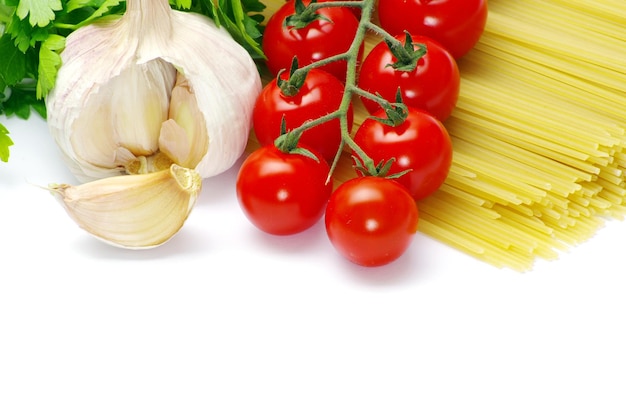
(113, 92)
(138, 94)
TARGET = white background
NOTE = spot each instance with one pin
(226, 320)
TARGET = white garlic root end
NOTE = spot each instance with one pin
(133, 211)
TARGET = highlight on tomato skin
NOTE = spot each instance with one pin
(283, 193)
(371, 221)
(457, 24)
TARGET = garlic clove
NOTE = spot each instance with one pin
(183, 137)
(133, 211)
(121, 116)
(223, 76)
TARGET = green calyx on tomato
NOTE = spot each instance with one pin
(288, 141)
(433, 85)
(304, 15)
(407, 54)
(291, 86)
(314, 115)
(395, 113)
(421, 148)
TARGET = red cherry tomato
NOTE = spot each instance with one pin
(420, 144)
(282, 193)
(320, 94)
(371, 220)
(432, 86)
(456, 24)
(320, 39)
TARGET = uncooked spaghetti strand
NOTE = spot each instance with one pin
(543, 39)
(545, 174)
(547, 121)
(608, 10)
(555, 150)
(481, 226)
(521, 172)
(522, 75)
(463, 195)
(564, 17)
(607, 77)
(500, 139)
(527, 190)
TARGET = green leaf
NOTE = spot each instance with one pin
(253, 5)
(12, 64)
(181, 4)
(103, 8)
(40, 12)
(49, 64)
(5, 143)
(20, 102)
(79, 4)
(234, 16)
(6, 12)
(25, 35)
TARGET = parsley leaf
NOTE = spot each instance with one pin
(241, 18)
(5, 143)
(12, 64)
(40, 13)
(49, 64)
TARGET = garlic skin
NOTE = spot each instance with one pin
(133, 211)
(113, 91)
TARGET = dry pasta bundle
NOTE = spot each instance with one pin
(539, 133)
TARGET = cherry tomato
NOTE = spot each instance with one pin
(421, 143)
(371, 220)
(320, 94)
(283, 193)
(432, 86)
(456, 24)
(320, 39)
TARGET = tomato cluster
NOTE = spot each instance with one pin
(409, 83)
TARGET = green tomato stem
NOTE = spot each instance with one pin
(367, 7)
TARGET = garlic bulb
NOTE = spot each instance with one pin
(114, 90)
(142, 92)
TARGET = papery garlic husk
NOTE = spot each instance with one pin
(113, 92)
(133, 211)
(137, 96)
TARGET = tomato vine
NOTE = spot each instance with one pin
(409, 60)
(402, 151)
